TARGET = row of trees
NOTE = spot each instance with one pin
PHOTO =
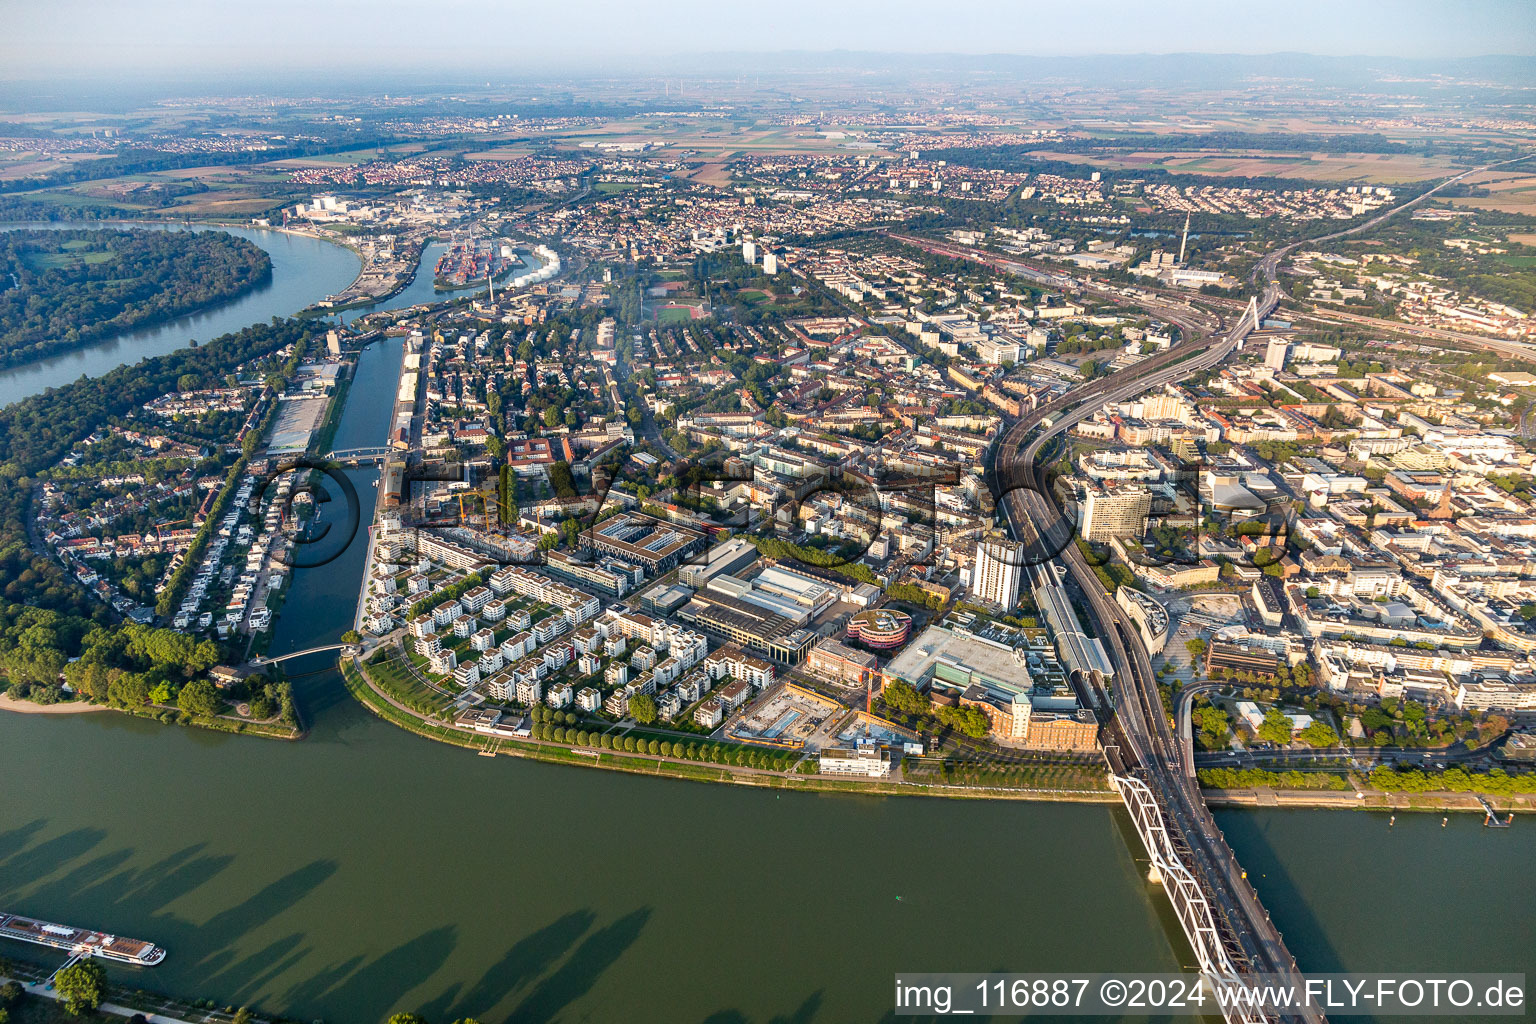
(714, 753)
(1249, 778)
(1496, 782)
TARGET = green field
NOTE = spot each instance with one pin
(615, 186)
(76, 253)
(397, 680)
(674, 315)
(66, 198)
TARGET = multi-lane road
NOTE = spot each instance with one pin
(1139, 742)
(1138, 739)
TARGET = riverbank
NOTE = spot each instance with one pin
(367, 692)
(1365, 800)
(355, 297)
(27, 707)
(118, 1001)
(362, 687)
(304, 269)
(272, 728)
(125, 320)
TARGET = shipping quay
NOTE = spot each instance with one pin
(78, 942)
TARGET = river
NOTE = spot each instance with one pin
(304, 270)
(366, 870)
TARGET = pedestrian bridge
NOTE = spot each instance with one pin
(359, 456)
(273, 660)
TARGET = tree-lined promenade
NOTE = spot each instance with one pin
(697, 758)
(604, 745)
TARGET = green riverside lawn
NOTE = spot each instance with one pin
(1325, 790)
(360, 684)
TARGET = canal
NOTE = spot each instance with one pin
(366, 870)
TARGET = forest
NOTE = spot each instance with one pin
(70, 288)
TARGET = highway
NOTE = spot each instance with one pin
(1184, 716)
(1219, 910)
(1138, 740)
(1367, 757)
(1267, 267)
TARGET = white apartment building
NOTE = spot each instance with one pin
(999, 571)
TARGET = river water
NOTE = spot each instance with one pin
(304, 270)
(423, 290)
(366, 870)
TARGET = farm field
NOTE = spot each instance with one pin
(1512, 193)
(713, 172)
(511, 152)
(14, 166)
(1343, 168)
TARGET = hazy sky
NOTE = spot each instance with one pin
(76, 38)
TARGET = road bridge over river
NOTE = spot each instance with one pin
(1220, 913)
(1153, 771)
(360, 456)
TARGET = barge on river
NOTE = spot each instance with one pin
(79, 942)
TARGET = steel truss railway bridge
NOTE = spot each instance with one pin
(1220, 913)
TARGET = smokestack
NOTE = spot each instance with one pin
(1184, 241)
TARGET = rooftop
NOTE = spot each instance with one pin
(991, 664)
